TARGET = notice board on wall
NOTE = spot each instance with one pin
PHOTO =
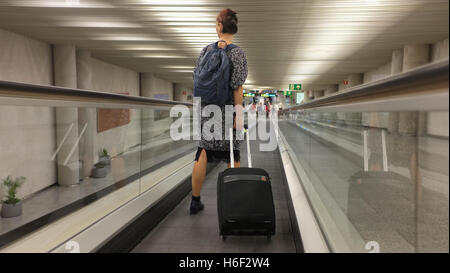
(112, 118)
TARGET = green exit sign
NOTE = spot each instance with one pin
(295, 87)
(288, 93)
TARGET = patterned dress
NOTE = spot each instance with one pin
(218, 149)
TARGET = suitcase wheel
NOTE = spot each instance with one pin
(224, 237)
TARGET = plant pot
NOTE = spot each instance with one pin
(11, 210)
(105, 160)
(100, 172)
(69, 175)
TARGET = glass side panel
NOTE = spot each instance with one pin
(376, 180)
(74, 157)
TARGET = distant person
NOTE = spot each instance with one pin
(219, 150)
(259, 109)
(253, 107)
(267, 109)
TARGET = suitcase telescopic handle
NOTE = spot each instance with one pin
(249, 156)
(231, 148)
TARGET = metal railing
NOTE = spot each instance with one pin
(430, 81)
(15, 90)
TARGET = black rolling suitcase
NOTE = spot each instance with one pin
(244, 201)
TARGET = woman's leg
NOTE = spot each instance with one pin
(199, 173)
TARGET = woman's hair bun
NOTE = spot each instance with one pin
(229, 21)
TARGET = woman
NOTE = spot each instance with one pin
(219, 150)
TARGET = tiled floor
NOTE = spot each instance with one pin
(181, 232)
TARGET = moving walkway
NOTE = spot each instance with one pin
(361, 170)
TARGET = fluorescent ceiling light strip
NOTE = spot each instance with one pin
(179, 9)
(193, 35)
(190, 15)
(177, 67)
(58, 4)
(181, 71)
(190, 24)
(145, 49)
(158, 56)
(99, 24)
(171, 2)
(197, 31)
(123, 38)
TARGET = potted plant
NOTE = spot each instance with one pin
(100, 170)
(12, 206)
(105, 157)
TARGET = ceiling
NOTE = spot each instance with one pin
(313, 42)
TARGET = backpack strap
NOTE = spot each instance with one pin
(227, 48)
(230, 47)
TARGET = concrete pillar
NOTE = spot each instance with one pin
(332, 88)
(354, 119)
(439, 51)
(397, 61)
(396, 67)
(330, 117)
(415, 55)
(355, 79)
(65, 75)
(318, 93)
(407, 123)
(87, 117)
(306, 97)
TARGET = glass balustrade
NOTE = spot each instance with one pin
(375, 180)
(82, 161)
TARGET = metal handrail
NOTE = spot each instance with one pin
(423, 75)
(402, 83)
(32, 91)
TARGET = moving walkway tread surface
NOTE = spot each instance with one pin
(181, 232)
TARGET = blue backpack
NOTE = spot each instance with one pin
(212, 76)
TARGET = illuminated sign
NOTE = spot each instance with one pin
(295, 86)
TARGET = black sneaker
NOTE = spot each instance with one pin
(196, 206)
